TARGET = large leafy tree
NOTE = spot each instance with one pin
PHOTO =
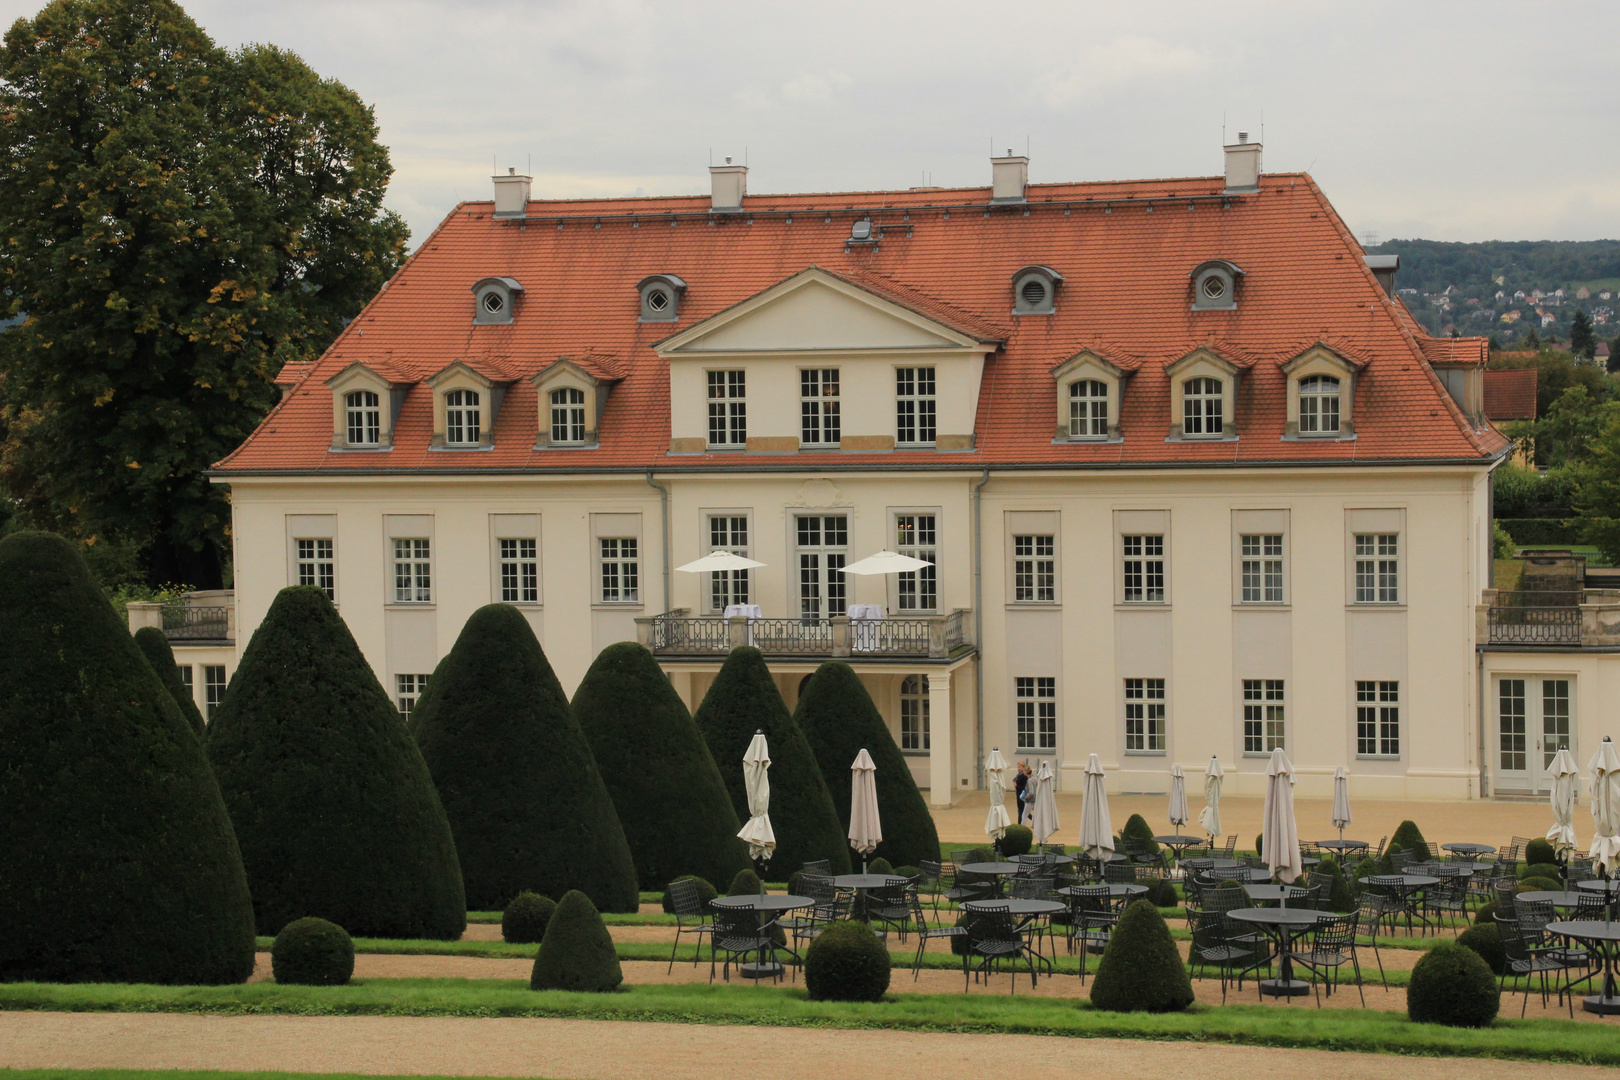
(1582, 341)
(177, 222)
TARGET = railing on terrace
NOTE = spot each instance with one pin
(678, 633)
(188, 622)
(1545, 617)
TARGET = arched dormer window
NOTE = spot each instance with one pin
(571, 395)
(1202, 407)
(462, 416)
(1089, 390)
(1203, 396)
(1215, 285)
(1321, 394)
(365, 401)
(1088, 409)
(1035, 290)
(363, 417)
(1319, 405)
(567, 416)
(495, 300)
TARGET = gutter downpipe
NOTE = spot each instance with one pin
(1479, 649)
(978, 626)
(663, 508)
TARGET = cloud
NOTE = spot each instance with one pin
(1125, 63)
(815, 89)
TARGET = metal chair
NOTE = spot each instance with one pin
(1448, 899)
(1372, 910)
(1120, 873)
(889, 904)
(1214, 945)
(993, 937)
(1192, 898)
(738, 932)
(1330, 945)
(1379, 853)
(926, 933)
(1296, 897)
(961, 891)
(688, 904)
(1231, 846)
(1091, 920)
(1323, 884)
(1054, 849)
(1525, 961)
(821, 867)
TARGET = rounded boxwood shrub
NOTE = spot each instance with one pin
(706, 892)
(1538, 884)
(974, 855)
(743, 699)
(1406, 845)
(879, 866)
(1539, 851)
(906, 871)
(1452, 985)
(1161, 892)
(1017, 840)
(746, 883)
(1485, 939)
(312, 952)
(1549, 871)
(118, 862)
(1141, 969)
(525, 919)
(1367, 867)
(1137, 828)
(846, 962)
(673, 805)
(577, 952)
(525, 800)
(332, 802)
(839, 719)
(155, 645)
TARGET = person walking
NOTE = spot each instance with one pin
(1021, 789)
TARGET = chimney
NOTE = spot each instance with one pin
(1384, 268)
(1008, 177)
(511, 195)
(728, 184)
(1242, 165)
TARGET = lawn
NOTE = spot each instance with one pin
(193, 1074)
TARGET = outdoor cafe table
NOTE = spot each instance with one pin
(1602, 936)
(1116, 889)
(1262, 891)
(861, 884)
(1343, 845)
(1469, 849)
(1282, 923)
(1212, 864)
(1557, 899)
(1405, 886)
(1027, 910)
(1178, 844)
(996, 870)
(772, 904)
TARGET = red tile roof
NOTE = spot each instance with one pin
(1511, 395)
(1125, 251)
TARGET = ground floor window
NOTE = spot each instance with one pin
(914, 714)
(185, 679)
(408, 689)
(1378, 718)
(1264, 716)
(1144, 715)
(213, 689)
(1037, 712)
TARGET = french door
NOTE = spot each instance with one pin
(1535, 719)
(823, 548)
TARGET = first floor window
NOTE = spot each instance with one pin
(728, 532)
(1088, 409)
(1262, 569)
(1144, 715)
(914, 714)
(820, 422)
(1378, 568)
(728, 408)
(520, 572)
(413, 572)
(914, 406)
(1034, 570)
(621, 570)
(1378, 718)
(1144, 569)
(185, 678)
(315, 566)
(462, 423)
(407, 689)
(1037, 712)
(1263, 716)
(823, 548)
(568, 415)
(363, 413)
(917, 535)
(213, 689)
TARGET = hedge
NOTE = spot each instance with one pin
(332, 802)
(1141, 969)
(154, 643)
(839, 720)
(117, 859)
(846, 962)
(577, 952)
(677, 817)
(525, 801)
(1541, 530)
(1452, 985)
(312, 952)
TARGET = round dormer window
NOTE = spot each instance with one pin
(1033, 292)
(658, 300)
(1215, 287)
(494, 302)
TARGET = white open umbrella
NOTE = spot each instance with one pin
(757, 779)
(1605, 770)
(1565, 778)
(1280, 833)
(1043, 815)
(995, 778)
(1096, 829)
(1210, 816)
(1341, 800)
(886, 562)
(865, 826)
(718, 560)
(1178, 797)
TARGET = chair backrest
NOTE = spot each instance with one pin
(817, 866)
(1434, 851)
(735, 924)
(1030, 863)
(1335, 933)
(1192, 891)
(931, 872)
(1506, 900)
(1591, 905)
(914, 902)
(1226, 899)
(1086, 868)
(1301, 898)
(1513, 944)
(1218, 874)
(1122, 873)
(1519, 844)
(1507, 855)
(1035, 887)
(685, 898)
(1371, 909)
(1533, 917)
(991, 922)
(1231, 846)
(1308, 847)
(1379, 853)
(1387, 884)
(1088, 898)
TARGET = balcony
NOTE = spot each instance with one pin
(1550, 619)
(927, 637)
(199, 618)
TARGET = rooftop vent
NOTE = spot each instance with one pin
(1009, 176)
(861, 232)
(512, 195)
(1242, 165)
(1384, 268)
(728, 184)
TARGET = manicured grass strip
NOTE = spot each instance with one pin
(1329, 1029)
(194, 1074)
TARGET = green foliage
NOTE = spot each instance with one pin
(1582, 341)
(1597, 498)
(312, 952)
(117, 859)
(525, 919)
(846, 962)
(743, 699)
(1538, 884)
(1367, 867)
(1452, 985)
(1549, 870)
(1016, 840)
(879, 866)
(677, 816)
(839, 720)
(1486, 940)
(746, 883)
(155, 646)
(706, 892)
(1137, 828)
(1141, 969)
(1406, 845)
(577, 953)
(1540, 850)
(333, 805)
(180, 221)
(519, 784)
(1524, 531)
(1565, 434)
(907, 871)
(1161, 892)
(1485, 914)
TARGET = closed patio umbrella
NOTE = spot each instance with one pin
(1210, 816)
(1178, 797)
(1605, 769)
(757, 779)
(1565, 778)
(1341, 800)
(1043, 817)
(865, 826)
(1280, 832)
(995, 778)
(886, 562)
(1096, 829)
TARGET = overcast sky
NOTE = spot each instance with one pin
(1450, 121)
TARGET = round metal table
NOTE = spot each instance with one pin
(861, 885)
(1211, 864)
(770, 903)
(1017, 906)
(1469, 849)
(1344, 845)
(1116, 889)
(1556, 899)
(1178, 844)
(1282, 923)
(1405, 887)
(1610, 887)
(1603, 936)
(1263, 891)
(989, 869)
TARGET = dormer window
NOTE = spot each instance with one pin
(1319, 405)
(1088, 398)
(1035, 290)
(461, 418)
(661, 298)
(494, 299)
(1201, 407)
(1321, 394)
(1215, 285)
(571, 395)
(365, 401)
(1088, 409)
(567, 416)
(363, 411)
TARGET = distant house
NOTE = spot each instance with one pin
(1511, 317)
(1605, 295)
(1519, 295)
(1510, 396)
(1583, 293)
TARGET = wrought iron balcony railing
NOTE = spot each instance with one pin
(934, 637)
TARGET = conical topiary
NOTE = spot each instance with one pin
(577, 952)
(677, 816)
(117, 859)
(155, 645)
(332, 803)
(742, 700)
(1141, 969)
(517, 779)
(1405, 845)
(1137, 828)
(839, 719)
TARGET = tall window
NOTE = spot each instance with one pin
(315, 566)
(621, 570)
(1264, 715)
(213, 689)
(1319, 405)
(1378, 718)
(1034, 570)
(1262, 568)
(914, 714)
(915, 535)
(462, 422)
(1037, 712)
(1088, 409)
(1144, 715)
(728, 409)
(363, 416)
(185, 679)
(520, 571)
(1554, 719)
(914, 405)
(1201, 407)
(413, 572)
(568, 415)
(1377, 568)
(1144, 569)
(823, 550)
(1511, 716)
(728, 532)
(407, 689)
(820, 423)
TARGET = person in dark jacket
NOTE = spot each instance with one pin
(1020, 786)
